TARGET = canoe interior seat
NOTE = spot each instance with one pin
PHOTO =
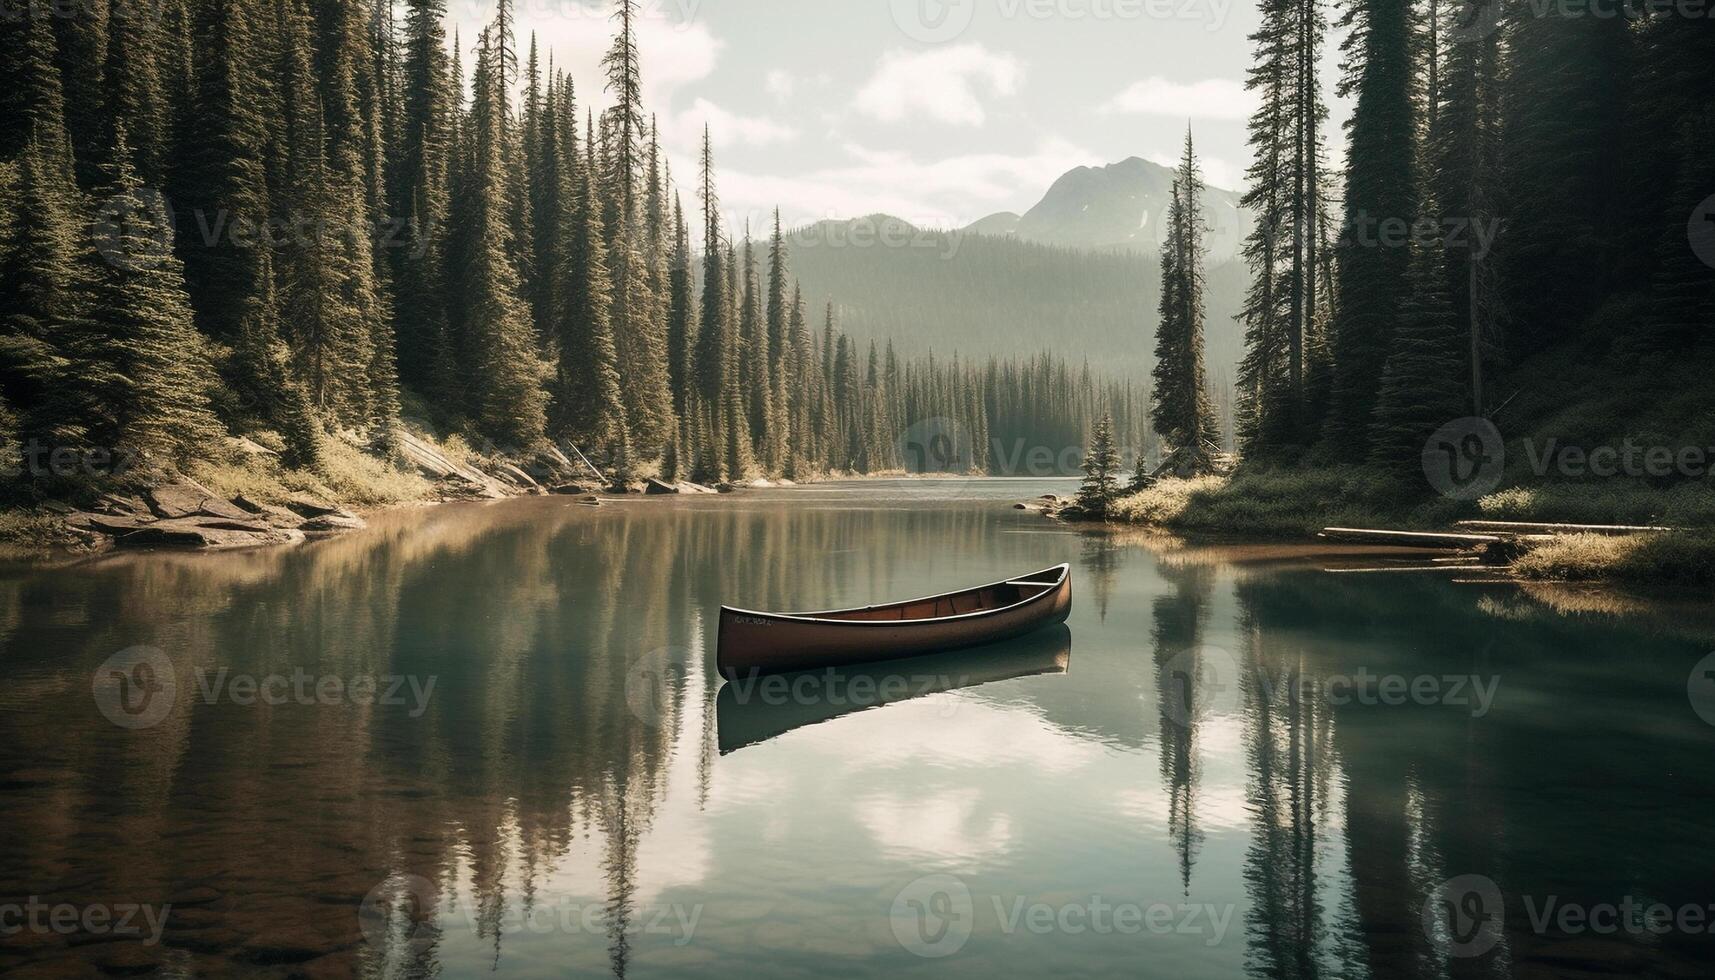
(960, 604)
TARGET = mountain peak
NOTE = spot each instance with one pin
(1118, 207)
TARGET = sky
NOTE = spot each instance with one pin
(936, 111)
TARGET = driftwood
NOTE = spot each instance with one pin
(1520, 527)
(1412, 539)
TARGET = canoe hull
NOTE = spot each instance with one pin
(752, 642)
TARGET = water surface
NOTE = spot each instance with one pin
(1192, 780)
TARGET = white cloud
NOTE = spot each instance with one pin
(949, 192)
(941, 84)
(673, 52)
(1210, 98)
(684, 130)
(1217, 172)
(781, 85)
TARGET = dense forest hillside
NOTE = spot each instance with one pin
(303, 222)
(993, 295)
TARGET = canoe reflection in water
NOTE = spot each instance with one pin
(758, 707)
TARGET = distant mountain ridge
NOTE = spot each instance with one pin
(1119, 207)
(986, 294)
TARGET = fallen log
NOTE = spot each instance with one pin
(1523, 527)
(1412, 539)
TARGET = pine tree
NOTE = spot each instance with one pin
(1464, 162)
(1101, 471)
(40, 282)
(1184, 416)
(35, 106)
(508, 400)
(681, 314)
(588, 407)
(147, 375)
(1422, 387)
(625, 85)
(1565, 131)
(420, 311)
(224, 207)
(713, 345)
(135, 96)
(327, 279)
(1287, 306)
(1381, 174)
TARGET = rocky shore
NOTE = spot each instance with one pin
(178, 511)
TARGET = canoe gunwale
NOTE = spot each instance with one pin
(1061, 572)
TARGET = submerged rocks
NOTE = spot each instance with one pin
(328, 524)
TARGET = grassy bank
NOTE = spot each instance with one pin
(1296, 504)
(1285, 503)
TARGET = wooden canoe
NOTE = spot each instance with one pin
(758, 642)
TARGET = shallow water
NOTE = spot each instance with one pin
(1231, 762)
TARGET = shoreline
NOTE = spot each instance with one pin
(1675, 563)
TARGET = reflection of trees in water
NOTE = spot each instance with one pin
(1100, 561)
(1182, 679)
(569, 667)
(1289, 749)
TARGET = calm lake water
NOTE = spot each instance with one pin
(488, 740)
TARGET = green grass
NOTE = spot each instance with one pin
(1682, 560)
(1285, 502)
(353, 476)
(31, 534)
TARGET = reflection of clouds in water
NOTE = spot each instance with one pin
(944, 826)
(951, 731)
